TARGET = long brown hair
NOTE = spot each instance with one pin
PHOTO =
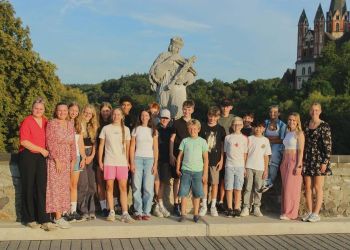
(77, 120)
(105, 105)
(122, 127)
(149, 123)
(90, 127)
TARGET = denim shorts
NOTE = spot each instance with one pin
(234, 178)
(192, 180)
(77, 165)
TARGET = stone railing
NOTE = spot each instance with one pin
(336, 190)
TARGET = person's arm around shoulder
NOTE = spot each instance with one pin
(155, 153)
(300, 152)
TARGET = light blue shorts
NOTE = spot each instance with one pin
(77, 165)
(234, 178)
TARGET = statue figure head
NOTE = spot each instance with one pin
(176, 43)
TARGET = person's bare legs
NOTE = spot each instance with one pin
(195, 202)
(184, 206)
(156, 186)
(110, 199)
(123, 191)
(237, 199)
(176, 186)
(318, 185)
(308, 192)
(229, 198)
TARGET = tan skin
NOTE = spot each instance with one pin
(187, 114)
(73, 112)
(62, 114)
(126, 107)
(213, 121)
(274, 114)
(236, 128)
(101, 184)
(247, 121)
(38, 111)
(87, 116)
(314, 182)
(117, 117)
(155, 111)
(193, 130)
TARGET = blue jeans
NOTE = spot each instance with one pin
(276, 157)
(192, 180)
(143, 179)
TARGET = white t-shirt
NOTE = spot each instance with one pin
(115, 151)
(258, 147)
(144, 141)
(235, 146)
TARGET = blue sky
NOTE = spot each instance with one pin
(95, 40)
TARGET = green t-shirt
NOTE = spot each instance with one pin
(193, 150)
(226, 122)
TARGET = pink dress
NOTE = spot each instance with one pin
(61, 145)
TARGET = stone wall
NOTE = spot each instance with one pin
(336, 191)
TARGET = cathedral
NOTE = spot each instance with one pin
(334, 26)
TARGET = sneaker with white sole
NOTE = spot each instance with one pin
(156, 211)
(283, 217)
(111, 216)
(257, 212)
(245, 212)
(314, 218)
(48, 226)
(62, 223)
(164, 211)
(306, 216)
(127, 218)
(214, 212)
(33, 225)
(203, 211)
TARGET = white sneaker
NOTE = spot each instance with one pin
(33, 225)
(203, 211)
(157, 212)
(111, 216)
(314, 218)
(283, 217)
(257, 212)
(48, 226)
(62, 223)
(306, 216)
(214, 211)
(164, 211)
(127, 218)
(245, 212)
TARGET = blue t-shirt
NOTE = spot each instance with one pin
(193, 150)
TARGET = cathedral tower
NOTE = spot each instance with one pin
(303, 27)
(319, 32)
(337, 18)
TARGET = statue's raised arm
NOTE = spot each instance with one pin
(169, 75)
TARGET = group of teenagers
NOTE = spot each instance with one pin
(80, 154)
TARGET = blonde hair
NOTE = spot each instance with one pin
(316, 104)
(122, 125)
(77, 120)
(90, 127)
(236, 119)
(38, 100)
(195, 123)
(297, 118)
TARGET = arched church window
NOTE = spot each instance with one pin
(303, 71)
(337, 27)
(309, 70)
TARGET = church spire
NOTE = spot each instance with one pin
(319, 14)
(303, 18)
(338, 5)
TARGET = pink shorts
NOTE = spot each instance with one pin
(115, 172)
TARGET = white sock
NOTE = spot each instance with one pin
(103, 204)
(204, 202)
(125, 212)
(213, 202)
(73, 206)
(116, 201)
(220, 202)
(160, 202)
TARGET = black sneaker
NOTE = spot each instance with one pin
(229, 213)
(131, 210)
(236, 212)
(220, 207)
(118, 209)
(76, 217)
(68, 217)
(105, 212)
(195, 218)
(182, 218)
(177, 209)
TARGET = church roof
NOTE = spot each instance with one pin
(338, 5)
(303, 17)
(319, 13)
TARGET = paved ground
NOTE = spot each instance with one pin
(309, 242)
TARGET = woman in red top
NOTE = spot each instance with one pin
(32, 167)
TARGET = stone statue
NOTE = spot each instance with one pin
(169, 75)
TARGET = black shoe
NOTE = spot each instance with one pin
(77, 217)
(229, 213)
(105, 212)
(131, 210)
(68, 217)
(195, 218)
(177, 209)
(182, 218)
(220, 207)
(118, 209)
(236, 212)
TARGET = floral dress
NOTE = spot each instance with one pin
(61, 146)
(318, 149)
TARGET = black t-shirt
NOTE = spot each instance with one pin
(247, 131)
(164, 135)
(130, 121)
(215, 137)
(181, 131)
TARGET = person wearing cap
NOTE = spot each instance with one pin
(164, 168)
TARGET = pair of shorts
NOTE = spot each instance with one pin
(164, 172)
(115, 172)
(214, 176)
(77, 165)
(234, 178)
(192, 180)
